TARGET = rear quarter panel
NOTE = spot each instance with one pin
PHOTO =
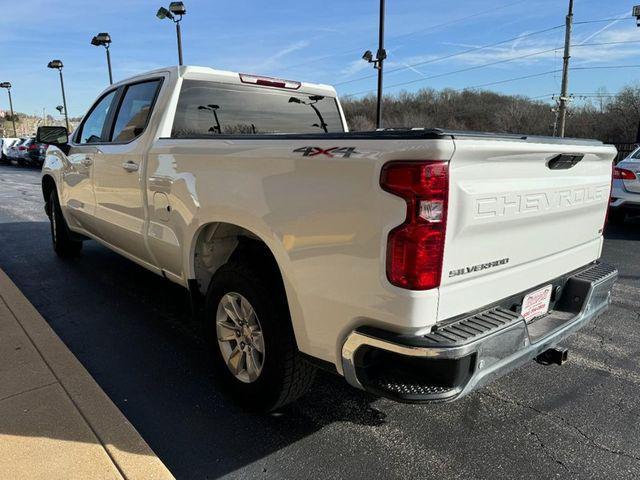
(324, 218)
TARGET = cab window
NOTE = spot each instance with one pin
(92, 130)
(207, 109)
(134, 111)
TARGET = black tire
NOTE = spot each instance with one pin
(63, 242)
(285, 375)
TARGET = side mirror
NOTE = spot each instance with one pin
(58, 136)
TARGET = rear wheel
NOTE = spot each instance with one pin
(63, 242)
(254, 350)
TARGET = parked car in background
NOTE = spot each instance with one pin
(14, 151)
(36, 153)
(5, 144)
(29, 152)
(625, 194)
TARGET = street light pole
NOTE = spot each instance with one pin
(7, 85)
(104, 40)
(381, 56)
(57, 65)
(174, 13)
(564, 100)
(109, 66)
(179, 35)
(13, 116)
(64, 101)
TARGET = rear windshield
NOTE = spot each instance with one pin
(210, 109)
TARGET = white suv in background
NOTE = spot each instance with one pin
(5, 143)
(625, 195)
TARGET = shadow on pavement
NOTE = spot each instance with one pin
(132, 331)
(629, 230)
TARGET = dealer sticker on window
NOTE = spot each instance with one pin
(536, 304)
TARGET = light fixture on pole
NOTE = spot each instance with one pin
(57, 65)
(214, 109)
(378, 63)
(314, 99)
(104, 40)
(175, 12)
(7, 85)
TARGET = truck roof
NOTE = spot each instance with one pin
(224, 76)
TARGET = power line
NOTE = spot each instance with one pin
(464, 52)
(475, 49)
(485, 65)
(611, 67)
(525, 77)
(405, 35)
(604, 20)
(508, 80)
(467, 69)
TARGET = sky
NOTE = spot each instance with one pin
(321, 41)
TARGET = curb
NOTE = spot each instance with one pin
(127, 450)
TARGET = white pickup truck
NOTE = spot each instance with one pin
(419, 264)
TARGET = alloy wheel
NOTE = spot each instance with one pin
(240, 337)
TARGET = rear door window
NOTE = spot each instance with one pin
(208, 109)
(134, 111)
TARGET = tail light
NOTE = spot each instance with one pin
(33, 146)
(623, 174)
(21, 148)
(415, 249)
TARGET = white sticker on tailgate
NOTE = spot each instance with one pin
(536, 304)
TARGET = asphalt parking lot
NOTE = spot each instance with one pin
(133, 333)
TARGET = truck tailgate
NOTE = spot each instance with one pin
(514, 222)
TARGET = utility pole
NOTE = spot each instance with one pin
(378, 63)
(381, 56)
(636, 13)
(564, 100)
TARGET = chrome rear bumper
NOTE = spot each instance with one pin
(460, 357)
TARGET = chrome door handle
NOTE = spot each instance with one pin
(130, 166)
(87, 162)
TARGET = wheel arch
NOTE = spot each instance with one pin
(216, 243)
(48, 186)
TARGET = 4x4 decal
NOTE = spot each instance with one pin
(342, 152)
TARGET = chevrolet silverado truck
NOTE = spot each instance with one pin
(419, 264)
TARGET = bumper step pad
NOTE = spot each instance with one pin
(470, 329)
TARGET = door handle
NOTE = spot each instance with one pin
(87, 162)
(130, 166)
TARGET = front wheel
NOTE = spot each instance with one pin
(63, 242)
(254, 349)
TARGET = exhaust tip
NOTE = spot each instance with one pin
(553, 356)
